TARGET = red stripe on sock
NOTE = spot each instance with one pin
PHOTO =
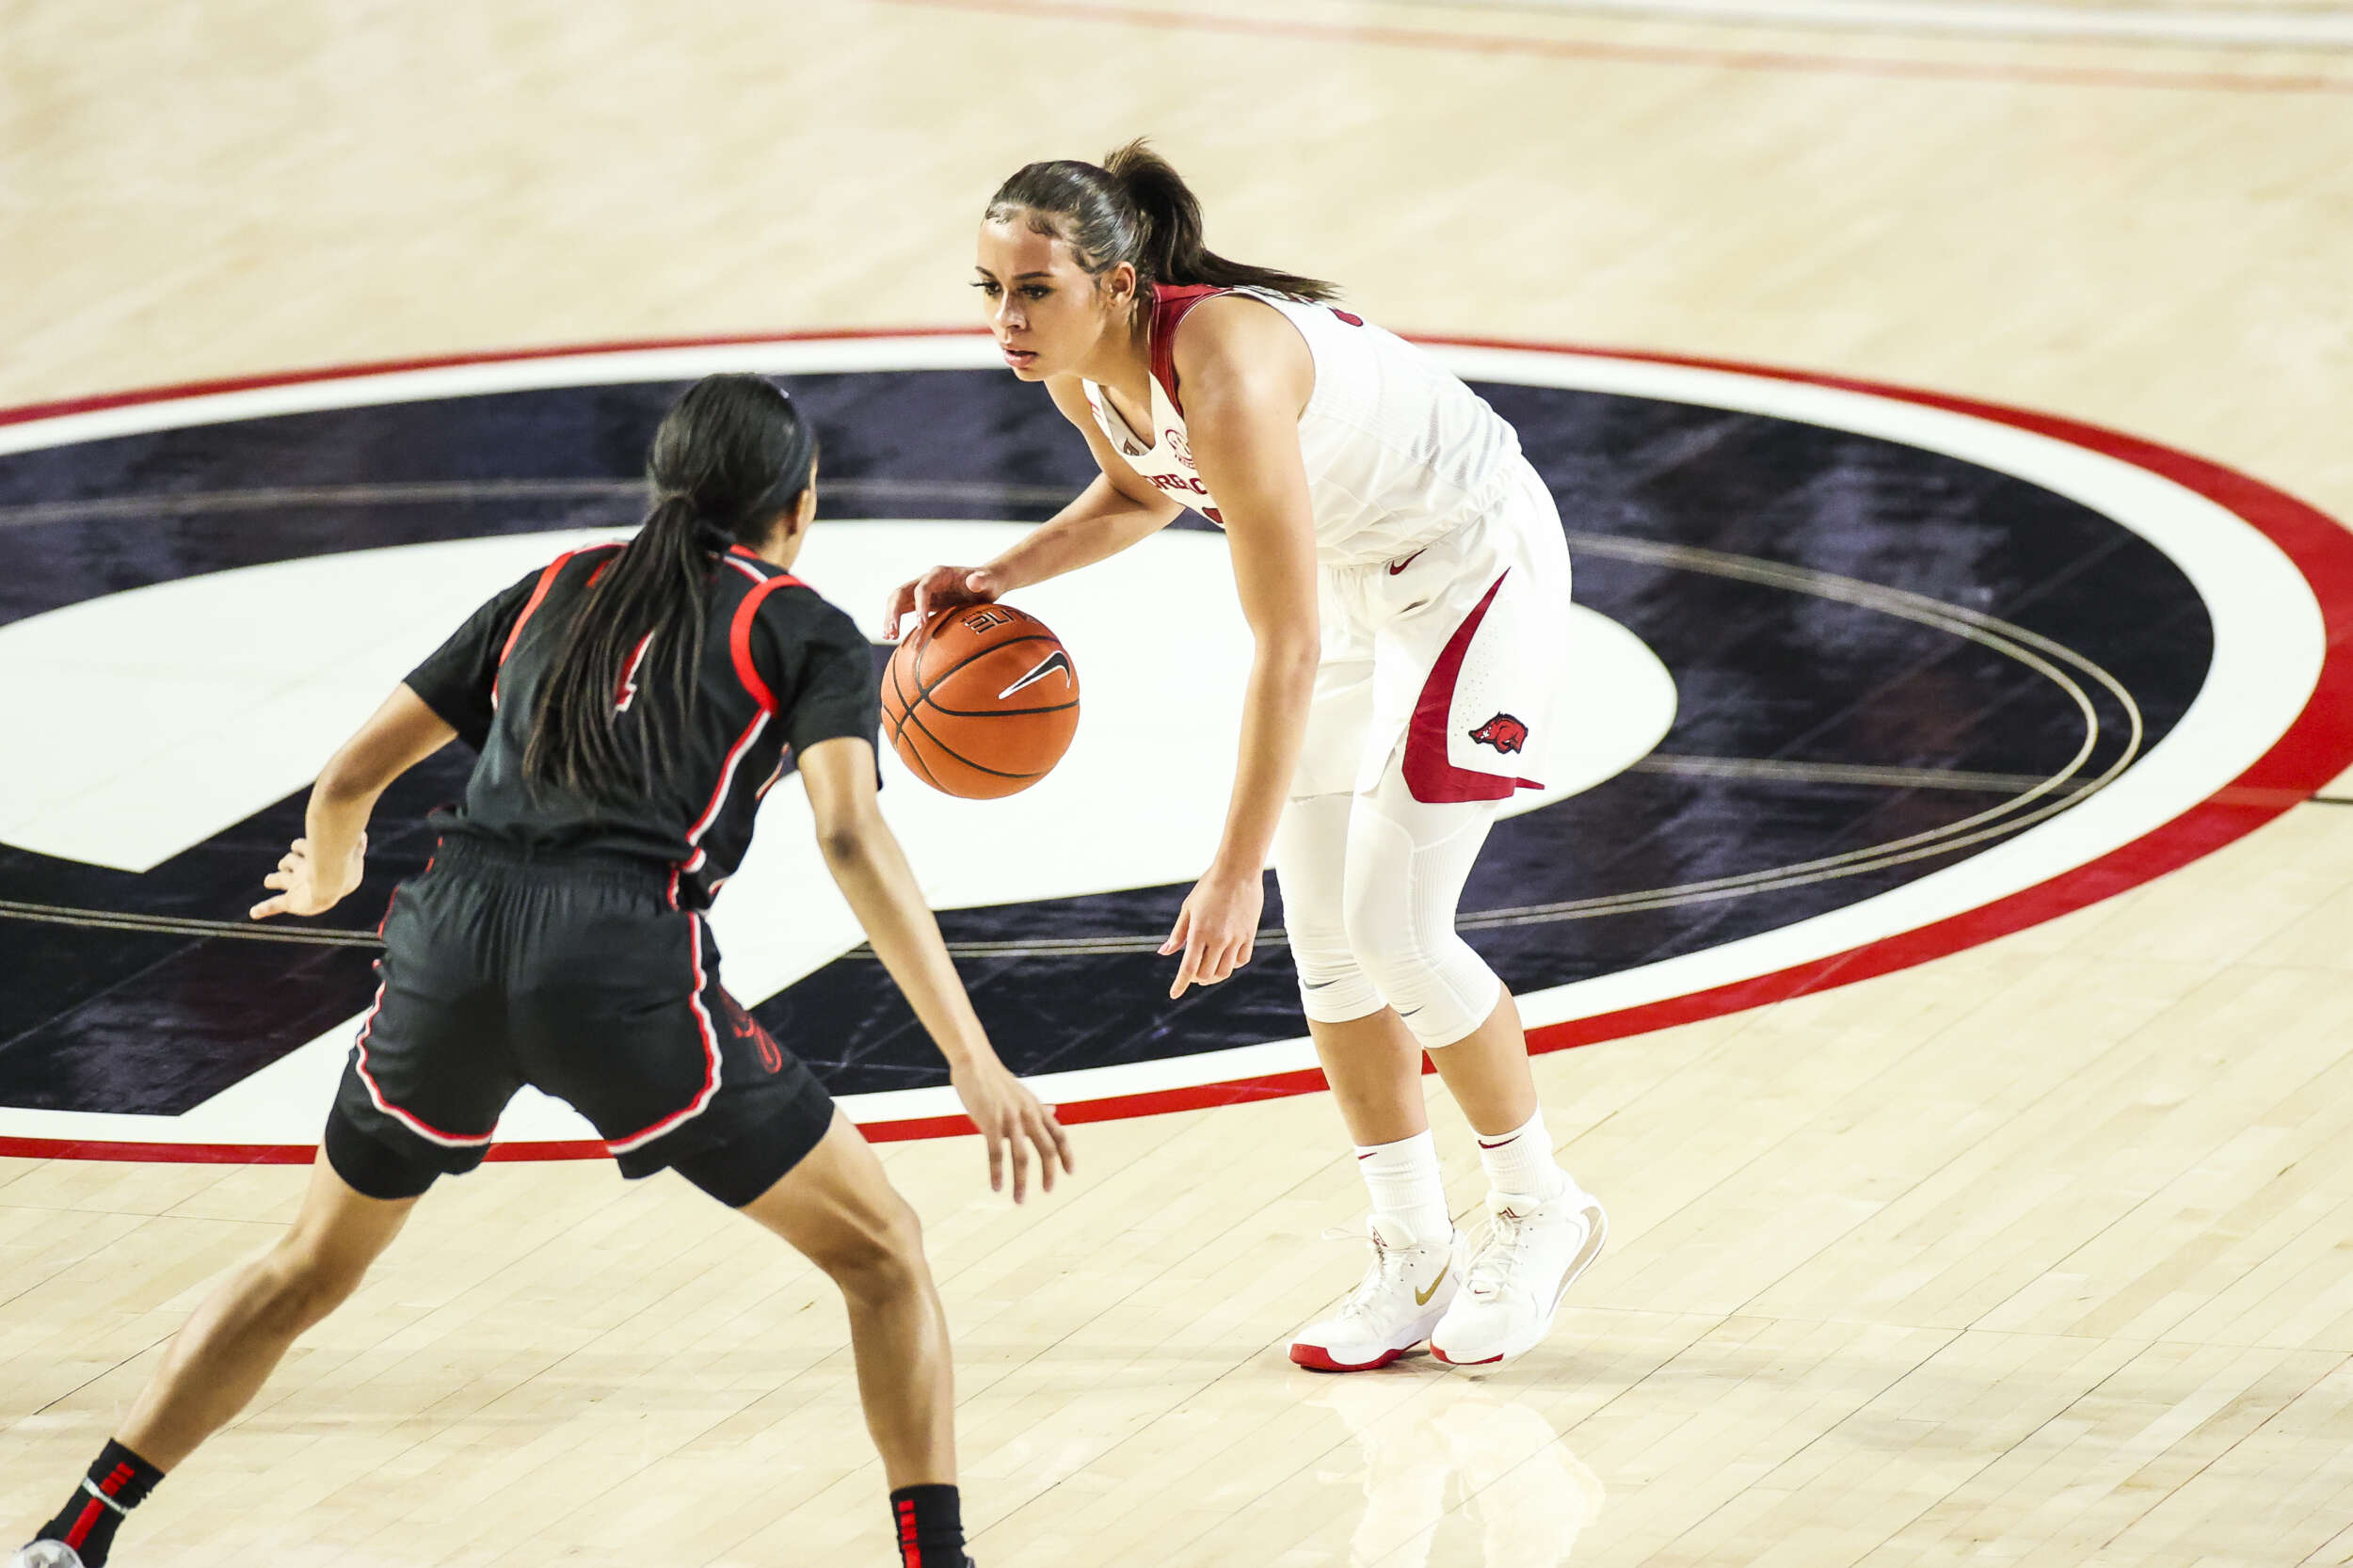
(80, 1532)
(910, 1555)
(116, 1479)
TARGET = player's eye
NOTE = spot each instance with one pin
(987, 287)
(1035, 291)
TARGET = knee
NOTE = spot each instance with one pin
(1384, 940)
(877, 1255)
(300, 1284)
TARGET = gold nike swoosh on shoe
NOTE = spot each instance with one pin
(1421, 1298)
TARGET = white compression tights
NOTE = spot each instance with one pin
(1369, 883)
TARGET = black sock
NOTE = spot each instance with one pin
(118, 1482)
(930, 1524)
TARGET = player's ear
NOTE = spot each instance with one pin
(1119, 286)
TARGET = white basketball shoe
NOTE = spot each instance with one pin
(1403, 1294)
(45, 1553)
(1525, 1262)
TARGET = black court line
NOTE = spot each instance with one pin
(436, 492)
(1758, 768)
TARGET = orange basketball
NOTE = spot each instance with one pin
(981, 702)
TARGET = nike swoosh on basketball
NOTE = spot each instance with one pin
(1396, 566)
(1421, 1298)
(1058, 659)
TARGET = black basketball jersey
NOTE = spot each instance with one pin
(781, 669)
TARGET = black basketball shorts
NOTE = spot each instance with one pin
(573, 974)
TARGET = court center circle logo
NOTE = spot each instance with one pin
(1862, 677)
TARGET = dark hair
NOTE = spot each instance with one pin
(1134, 208)
(731, 453)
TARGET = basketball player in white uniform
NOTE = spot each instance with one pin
(1406, 579)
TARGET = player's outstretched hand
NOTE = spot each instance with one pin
(1216, 930)
(940, 588)
(1012, 1123)
(306, 887)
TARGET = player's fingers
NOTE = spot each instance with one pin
(996, 1159)
(980, 582)
(1062, 1140)
(1188, 972)
(1180, 934)
(1047, 1155)
(267, 907)
(1223, 963)
(301, 846)
(1021, 1164)
(281, 879)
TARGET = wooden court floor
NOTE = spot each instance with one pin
(2040, 1253)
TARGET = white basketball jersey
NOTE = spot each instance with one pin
(1399, 451)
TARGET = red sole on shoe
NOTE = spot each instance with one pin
(1451, 1362)
(1317, 1359)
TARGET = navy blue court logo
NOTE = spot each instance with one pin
(1864, 677)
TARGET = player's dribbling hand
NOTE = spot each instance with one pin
(1011, 1122)
(940, 588)
(306, 887)
(1215, 930)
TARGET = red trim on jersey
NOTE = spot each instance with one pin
(1170, 305)
(1428, 773)
(740, 633)
(711, 1053)
(626, 692)
(740, 647)
(538, 593)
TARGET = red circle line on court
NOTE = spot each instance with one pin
(2313, 750)
(1881, 66)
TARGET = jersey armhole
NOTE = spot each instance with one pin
(1170, 306)
(538, 595)
(740, 638)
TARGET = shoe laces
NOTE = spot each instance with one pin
(1360, 1301)
(1497, 1253)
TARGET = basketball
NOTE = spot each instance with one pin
(982, 701)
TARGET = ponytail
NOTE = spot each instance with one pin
(731, 453)
(1171, 238)
(1134, 208)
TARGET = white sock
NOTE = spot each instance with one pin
(1408, 1194)
(1521, 1160)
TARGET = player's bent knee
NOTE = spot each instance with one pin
(878, 1254)
(1332, 987)
(299, 1285)
(1441, 988)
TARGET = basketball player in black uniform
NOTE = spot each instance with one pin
(631, 704)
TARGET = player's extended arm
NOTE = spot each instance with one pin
(326, 863)
(868, 865)
(1118, 508)
(1246, 375)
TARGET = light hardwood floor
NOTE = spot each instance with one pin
(2040, 1253)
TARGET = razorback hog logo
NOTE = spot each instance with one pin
(1503, 732)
